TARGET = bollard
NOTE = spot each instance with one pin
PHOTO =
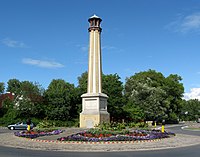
(155, 124)
(28, 124)
(28, 127)
(163, 126)
(163, 129)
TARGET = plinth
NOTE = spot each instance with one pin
(94, 110)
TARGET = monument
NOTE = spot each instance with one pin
(94, 102)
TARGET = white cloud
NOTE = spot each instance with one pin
(42, 63)
(186, 23)
(191, 22)
(13, 43)
(193, 94)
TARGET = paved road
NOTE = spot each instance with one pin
(177, 130)
(5, 130)
(192, 151)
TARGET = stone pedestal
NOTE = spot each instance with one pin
(94, 110)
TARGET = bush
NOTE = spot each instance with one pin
(9, 118)
(172, 119)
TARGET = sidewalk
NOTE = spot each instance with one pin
(49, 143)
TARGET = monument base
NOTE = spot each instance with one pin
(94, 110)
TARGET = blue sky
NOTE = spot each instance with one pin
(41, 40)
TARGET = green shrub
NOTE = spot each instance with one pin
(9, 118)
(45, 124)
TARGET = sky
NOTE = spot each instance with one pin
(42, 40)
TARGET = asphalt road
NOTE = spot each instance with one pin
(178, 130)
(192, 151)
(5, 130)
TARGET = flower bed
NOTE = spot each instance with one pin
(132, 135)
(34, 134)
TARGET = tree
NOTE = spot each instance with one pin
(28, 98)
(191, 109)
(133, 112)
(8, 114)
(2, 87)
(60, 100)
(174, 90)
(29, 88)
(82, 83)
(156, 95)
(14, 86)
(113, 87)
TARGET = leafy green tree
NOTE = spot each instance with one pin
(2, 87)
(191, 109)
(81, 89)
(82, 83)
(24, 107)
(144, 90)
(14, 86)
(60, 99)
(156, 95)
(113, 87)
(174, 90)
(8, 114)
(133, 112)
(28, 98)
(29, 88)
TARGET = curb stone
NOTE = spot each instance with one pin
(83, 142)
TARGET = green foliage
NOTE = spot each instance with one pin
(191, 110)
(138, 125)
(146, 95)
(2, 87)
(45, 124)
(172, 118)
(24, 107)
(61, 100)
(133, 112)
(28, 98)
(154, 94)
(8, 113)
(113, 87)
(116, 128)
(14, 86)
(82, 83)
(41, 124)
(111, 126)
(9, 118)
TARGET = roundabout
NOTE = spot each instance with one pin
(50, 143)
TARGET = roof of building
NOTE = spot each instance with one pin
(5, 96)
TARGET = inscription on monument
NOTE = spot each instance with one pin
(91, 104)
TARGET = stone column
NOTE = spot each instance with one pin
(94, 102)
